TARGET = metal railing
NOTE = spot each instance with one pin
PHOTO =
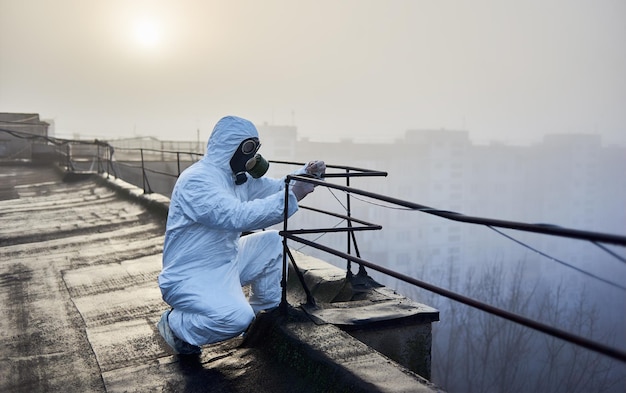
(287, 234)
(138, 158)
(73, 156)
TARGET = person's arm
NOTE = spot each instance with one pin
(217, 208)
(262, 187)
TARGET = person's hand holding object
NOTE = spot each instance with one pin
(316, 169)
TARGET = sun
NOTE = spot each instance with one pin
(147, 33)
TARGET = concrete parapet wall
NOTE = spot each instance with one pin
(331, 359)
(377, 316)
(155, 202)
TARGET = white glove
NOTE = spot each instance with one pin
(314, 168)
(302, 189)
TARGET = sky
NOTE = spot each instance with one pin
(506, 71)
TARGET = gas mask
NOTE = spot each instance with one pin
(246, 159)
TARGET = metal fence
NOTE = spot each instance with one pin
(147, 165)
(594, 237)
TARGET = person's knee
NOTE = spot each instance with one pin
(275, 237)
(274, 242)
(240, 320)
(226, 326)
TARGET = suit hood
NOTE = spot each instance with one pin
(225, 138)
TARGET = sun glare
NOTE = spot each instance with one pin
(147, 33)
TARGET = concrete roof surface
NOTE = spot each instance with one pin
(80, 301)
(79, 260)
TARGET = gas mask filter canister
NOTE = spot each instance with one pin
(257, 166)
(246, 159)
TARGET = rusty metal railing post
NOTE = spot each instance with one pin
(349, 214)
(68, 159)
(98, 166)
(143, 172)
(283, 299)
(109, 160)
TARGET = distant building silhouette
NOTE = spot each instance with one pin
(14, 147)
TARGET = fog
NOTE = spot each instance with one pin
(568, 180)
(506, 71)
(515, 110)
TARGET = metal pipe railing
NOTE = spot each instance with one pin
(594, 237)
(521, 226)
(552, 331)
(539, 228)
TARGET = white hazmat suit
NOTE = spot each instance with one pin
(205, 260)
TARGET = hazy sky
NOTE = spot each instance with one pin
(503, 70)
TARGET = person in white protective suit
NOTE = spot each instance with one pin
(206, 261)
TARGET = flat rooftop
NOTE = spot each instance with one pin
(80, 303)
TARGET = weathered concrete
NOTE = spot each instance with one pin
(78, 292)
(377, 316)
(332, 359)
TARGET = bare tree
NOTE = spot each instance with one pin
(570, 368)
(477, 352)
